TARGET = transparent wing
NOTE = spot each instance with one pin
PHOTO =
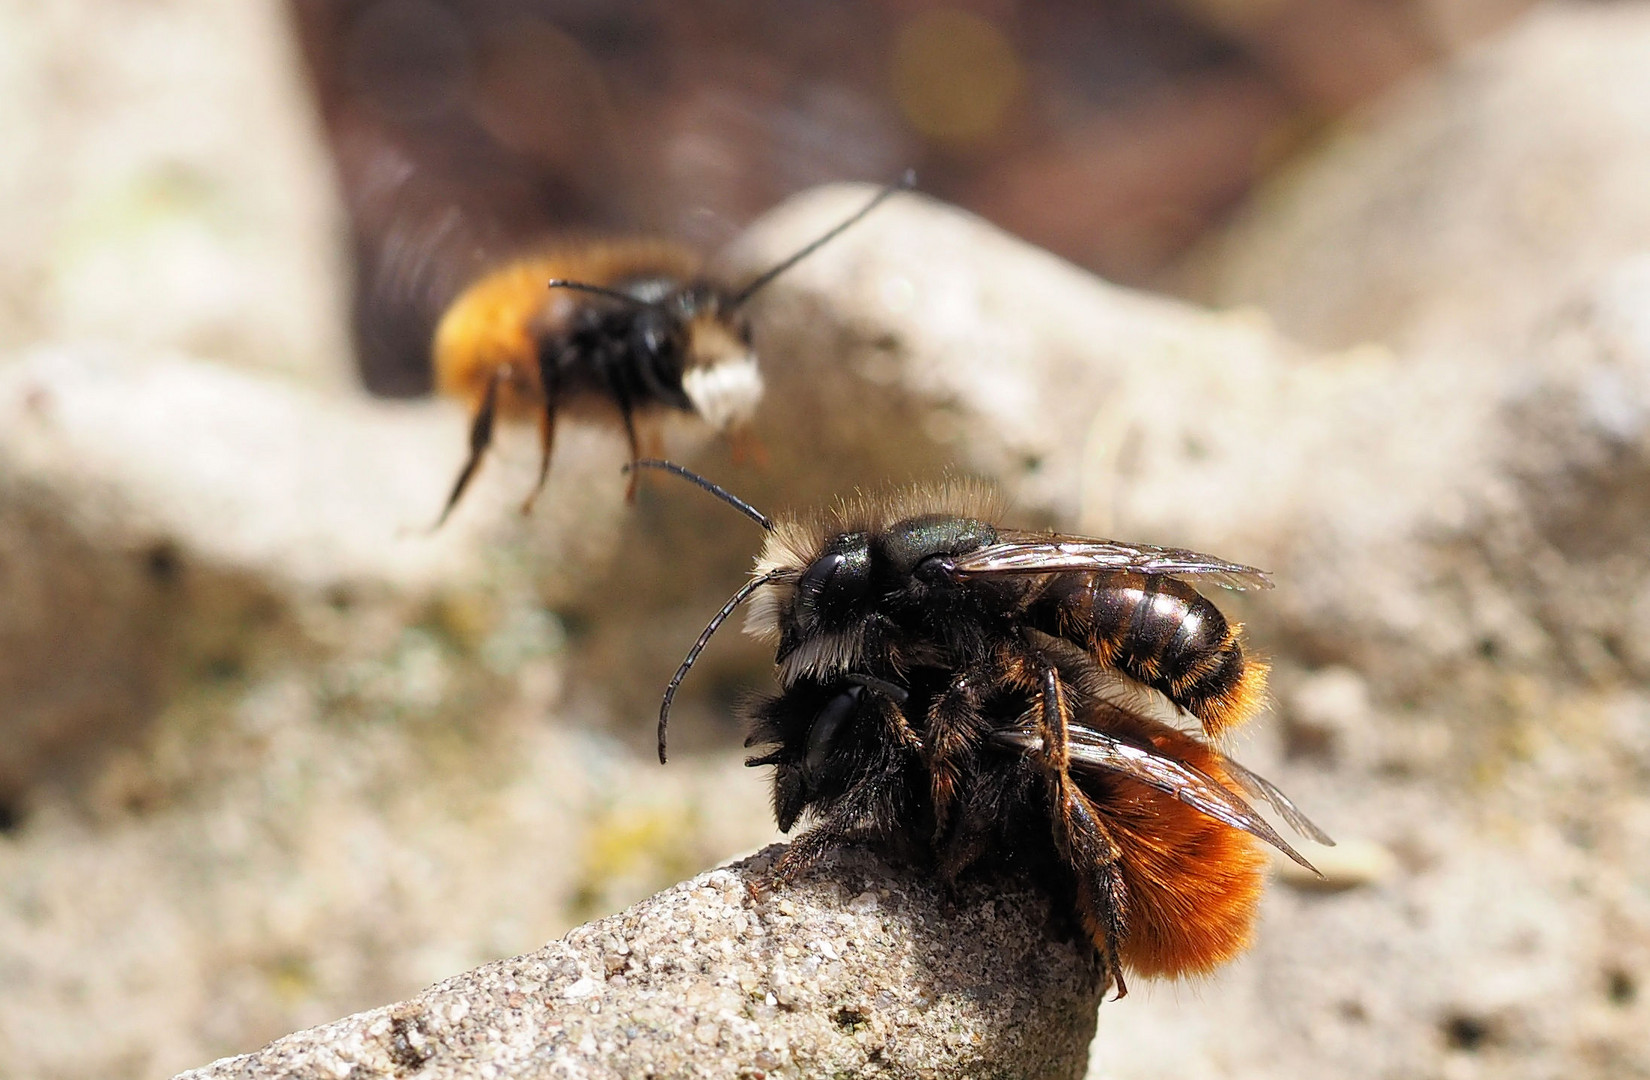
(1094, 751)
(1262, 788)
(1032, 554)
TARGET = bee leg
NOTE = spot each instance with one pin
(952, 721)
(481, 437)
(1084, 840)
(803, 853)
(627, 413)
(862, 815)
(547, 441)
(968, 842)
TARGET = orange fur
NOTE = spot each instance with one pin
(1231, 711)
(1194, 883)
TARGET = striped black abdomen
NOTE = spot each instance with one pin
(1161, 632)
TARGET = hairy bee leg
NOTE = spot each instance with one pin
(966, 845)
(804, 852)
(871, 801)
(481, 437)
(1084, 840)
(952, 719)
(813, 845)
(547, 442)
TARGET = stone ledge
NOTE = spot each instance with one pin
(859, 969)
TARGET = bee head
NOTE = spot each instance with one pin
(820, 585)
(831, 590)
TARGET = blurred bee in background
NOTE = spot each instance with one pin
(970, 694)
(627, 327)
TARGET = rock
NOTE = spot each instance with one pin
(164, 515)
(705, 980)
(1453, 213)
(1350, 864)
(166, 187)
(256, 719)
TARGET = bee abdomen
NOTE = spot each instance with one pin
(1163, 633)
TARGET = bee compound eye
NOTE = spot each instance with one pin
(817, 578)
(833, 584)
(837, 712)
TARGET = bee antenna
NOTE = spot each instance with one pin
(715, 489)
(904, 183)
(699, 647)
(599, 290)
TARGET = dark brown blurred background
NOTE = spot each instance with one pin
(1112, 132)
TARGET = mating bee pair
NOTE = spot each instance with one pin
(970, 694)
(965, 693)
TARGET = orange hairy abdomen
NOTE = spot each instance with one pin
(1193, 883)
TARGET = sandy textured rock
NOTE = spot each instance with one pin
(1455, 212)
(857, 970)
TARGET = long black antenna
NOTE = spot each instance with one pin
(904, 183)
(699, 646)
(715, 489)
(599, 290)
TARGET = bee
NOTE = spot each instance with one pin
(626, 327)
(970, 694)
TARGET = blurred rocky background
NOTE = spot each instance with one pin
(271, 753)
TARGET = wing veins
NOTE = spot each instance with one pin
(1262, 788)
(1056, 554)
(1095, 751)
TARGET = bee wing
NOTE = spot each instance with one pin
(1033, 554)
(1093, 751)
(1262, 788)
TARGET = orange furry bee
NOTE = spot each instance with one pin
(970, 694)
(626, 327)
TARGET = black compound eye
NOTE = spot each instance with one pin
(837, 712)
(831, 586)
(817, 578)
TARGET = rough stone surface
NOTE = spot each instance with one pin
(856, 970)
(1458, 210)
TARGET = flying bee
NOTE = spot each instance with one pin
(626, 327)
(970, 694)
